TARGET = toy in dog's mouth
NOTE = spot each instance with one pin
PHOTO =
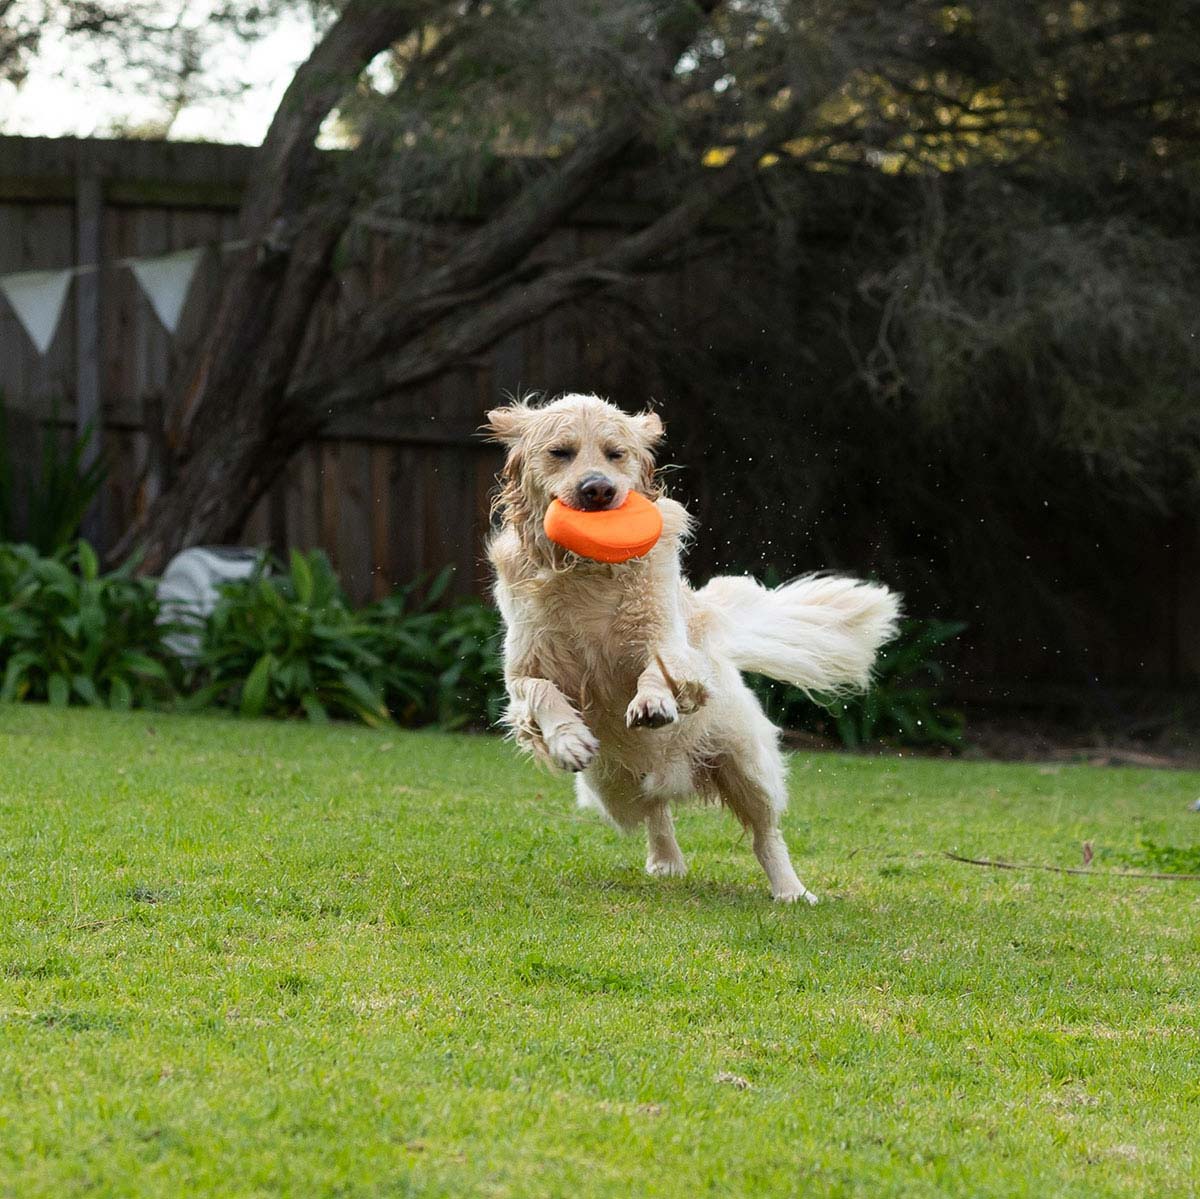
(609, 534)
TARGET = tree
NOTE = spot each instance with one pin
(18, 37)
(739, 109)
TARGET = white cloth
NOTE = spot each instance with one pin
(37, 298)
(166, 281)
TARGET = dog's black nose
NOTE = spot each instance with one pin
(595, 492)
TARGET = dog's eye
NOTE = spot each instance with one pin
(614, 455)
(565, 452)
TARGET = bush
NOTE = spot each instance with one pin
(903, 706)
(69, 634)
(440, 665)
(289, 645)
(57, 493)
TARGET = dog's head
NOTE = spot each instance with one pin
(580, 450)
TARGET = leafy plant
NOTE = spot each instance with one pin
(903, 705)
(288, 645)
(471, 684)
(440, 665)
(58, 492)
(69, 634)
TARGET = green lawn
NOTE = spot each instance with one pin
(257, 959)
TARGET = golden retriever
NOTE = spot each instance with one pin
(625, 675)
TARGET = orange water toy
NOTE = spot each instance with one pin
(610, 535)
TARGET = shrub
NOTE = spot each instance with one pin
(69, 634)
(471, 683)
(440, 665)
(288, 644)
(904, 704)
(57, 493)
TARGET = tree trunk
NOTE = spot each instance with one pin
(231, 421)
(216, 492)
(241, 412)
(252, 427)
(236, 429)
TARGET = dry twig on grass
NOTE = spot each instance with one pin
(1165, 876)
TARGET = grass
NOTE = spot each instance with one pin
(267, 959)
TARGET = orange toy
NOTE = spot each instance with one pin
(611, 535)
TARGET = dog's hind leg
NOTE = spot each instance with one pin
(664, 858)
(623, 804)
(752, 785)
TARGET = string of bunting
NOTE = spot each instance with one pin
(37, 297)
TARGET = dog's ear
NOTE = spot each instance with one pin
(506, 424)
(650, 428)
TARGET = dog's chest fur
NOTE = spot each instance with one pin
(595, 625)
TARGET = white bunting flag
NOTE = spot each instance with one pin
(166, 281)
(37, 299)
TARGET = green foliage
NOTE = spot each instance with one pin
(471, 684)
(63, 493)
(1081, 331)
(289, 645)
(442, 665)
(904, 705)
(282, 643)
(1160, 859)
(69, 634)
(58, 492)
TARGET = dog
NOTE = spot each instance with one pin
(629, 678)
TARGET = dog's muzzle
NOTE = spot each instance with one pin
(595, 492)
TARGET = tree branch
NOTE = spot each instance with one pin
(518, 300)
(996, 864)
(502, 243)
(287, 159)
(282, 191)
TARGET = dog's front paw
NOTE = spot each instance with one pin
(651, 711)
(572, 747)
(794, 894)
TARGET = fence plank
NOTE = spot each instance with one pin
(380, 516)
(89, 218)
(352, 528)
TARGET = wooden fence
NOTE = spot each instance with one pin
(390, 494)
(403, 490)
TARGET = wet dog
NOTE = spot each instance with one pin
(627, 676)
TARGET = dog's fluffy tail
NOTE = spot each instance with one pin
(819, 632)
